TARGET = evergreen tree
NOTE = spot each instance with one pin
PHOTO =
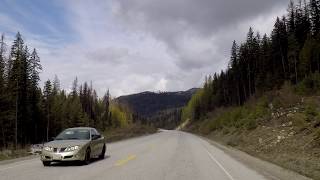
(293, 57)
(47, 98)
(18, 82)
(34, 96)
(315, 16)
(3, 97)
(56, 85)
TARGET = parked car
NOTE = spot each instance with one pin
(74, 144)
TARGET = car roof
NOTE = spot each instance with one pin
(89, 128)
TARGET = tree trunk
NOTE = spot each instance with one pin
(249, 76)
(3, 137)
(48, 121)
(282, 60)
(295, 69)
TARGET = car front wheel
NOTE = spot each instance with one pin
(103, 152)
(87, 157)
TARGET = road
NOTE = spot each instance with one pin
(168, 155)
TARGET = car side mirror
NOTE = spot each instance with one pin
(94, 137)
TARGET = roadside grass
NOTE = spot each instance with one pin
(12, 154)
(133, 130)
(236, 118)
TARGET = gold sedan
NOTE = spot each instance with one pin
(74, 144)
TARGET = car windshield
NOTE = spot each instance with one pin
(81, 134)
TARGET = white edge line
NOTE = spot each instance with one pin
(220, 165)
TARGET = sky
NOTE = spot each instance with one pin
(130, 46)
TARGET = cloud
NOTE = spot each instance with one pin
(111, 54)
(145, 45)
(192, 29)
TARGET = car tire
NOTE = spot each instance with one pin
(46, 163)
(103, 152)
(87, 158)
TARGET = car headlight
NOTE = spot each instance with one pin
(47, 148)
(72, 148)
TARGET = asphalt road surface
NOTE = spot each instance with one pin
(168, 155)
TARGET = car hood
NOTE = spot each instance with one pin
(66, 143)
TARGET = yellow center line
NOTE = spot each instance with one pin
(122, 162)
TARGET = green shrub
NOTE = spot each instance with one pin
(299, 120)
(251, 124)
(317, 134)
(309, 85)
(311, 111)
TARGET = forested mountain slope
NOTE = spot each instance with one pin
(148, 103)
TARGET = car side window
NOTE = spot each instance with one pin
(93, 132)
(97, 133)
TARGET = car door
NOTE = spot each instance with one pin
(100, 142)
(94, 143)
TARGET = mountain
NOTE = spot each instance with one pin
(147, 104)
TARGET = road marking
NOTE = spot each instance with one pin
(20, 164)
(220, 165)
(122, 162)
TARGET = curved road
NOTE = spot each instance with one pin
(168, 155)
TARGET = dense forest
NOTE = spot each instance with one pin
(30, 114)
(264, 63)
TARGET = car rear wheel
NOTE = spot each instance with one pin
(46, 163)
(103, 152)
(87, 157)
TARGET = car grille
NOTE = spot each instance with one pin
(59, 149)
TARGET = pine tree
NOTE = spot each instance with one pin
(106, 119)
(18, 84)
(315, 16)
(74, 90)
(47, 98)
(293, 57)
(291, 17)
(35, 68)
(34, 95)
(56, 85)
(3, 95)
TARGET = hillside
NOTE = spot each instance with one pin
(147, 103)
(281, 126)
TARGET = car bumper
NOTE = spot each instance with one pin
(62, 156)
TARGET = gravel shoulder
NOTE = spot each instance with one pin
(269, 170)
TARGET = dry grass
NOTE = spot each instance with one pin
(133, 130)
(12, 154)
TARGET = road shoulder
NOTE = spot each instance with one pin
(265, 168)
(9, 161)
